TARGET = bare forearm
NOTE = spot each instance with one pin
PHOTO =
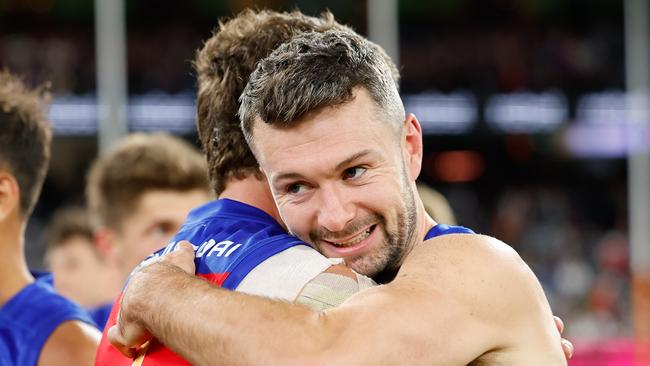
(208, 325)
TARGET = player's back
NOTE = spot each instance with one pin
(232, 240)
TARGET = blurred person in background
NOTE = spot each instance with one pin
(584, 267)
(139, 194)
(79, 272)
(37, 326)
(436, 205)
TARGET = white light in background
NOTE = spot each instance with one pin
(156, 112)
(601, 127)
(151, 112)
(601, 108)
(74, 116)
(439, 113)
(525, 112)
(590, 141)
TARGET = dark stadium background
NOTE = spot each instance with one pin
(554, 189)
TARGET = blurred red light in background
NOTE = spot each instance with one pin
(458, 166)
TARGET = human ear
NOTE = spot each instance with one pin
(105, 243)
(412, 145)
(9, 194)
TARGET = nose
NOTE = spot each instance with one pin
(336, 208)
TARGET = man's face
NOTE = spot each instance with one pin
(344, 181)
(157, 216)
(77, 270)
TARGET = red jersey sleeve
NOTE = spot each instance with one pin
(155, 354)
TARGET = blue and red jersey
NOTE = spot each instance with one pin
(231, 238)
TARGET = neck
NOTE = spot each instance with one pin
(14, 274)
(112, 282)
(254, 192)
(424, 221)
(113, 279)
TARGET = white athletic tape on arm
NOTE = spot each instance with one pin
(364, 282)
(328, 290)
(284, 275)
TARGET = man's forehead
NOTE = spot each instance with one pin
(331, 134)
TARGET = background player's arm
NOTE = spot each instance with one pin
(445, 307)
(72, 343)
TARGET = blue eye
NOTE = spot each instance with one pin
(353, 172)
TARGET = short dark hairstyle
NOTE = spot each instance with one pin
(223, 67)
(137, 164)
(314, 71)
(25, 137)
(67, 223)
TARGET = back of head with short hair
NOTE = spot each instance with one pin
(138, 164)
(223, 67)
(315, 71)
(25, 137)
(67, 223)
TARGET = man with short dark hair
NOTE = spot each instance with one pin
(325, 122)
(37, 326)
(241, 242)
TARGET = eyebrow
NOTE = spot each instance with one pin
(352, 158)
(339, 166)
(288, 176)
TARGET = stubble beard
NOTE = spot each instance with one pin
(398, 242)
(383, 262)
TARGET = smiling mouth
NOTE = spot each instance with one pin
(354, 240)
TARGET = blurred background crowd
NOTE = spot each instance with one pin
(520, 103)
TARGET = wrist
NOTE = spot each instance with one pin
(140, 294)
(152, 298)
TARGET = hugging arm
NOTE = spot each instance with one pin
(409, 320)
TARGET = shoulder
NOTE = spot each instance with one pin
(56, 322)
(38, 299)
(482, 271)
(486, 281)
(234, 238)
(469, 253)
(450, 287)
(72, 343)
(282, 275)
